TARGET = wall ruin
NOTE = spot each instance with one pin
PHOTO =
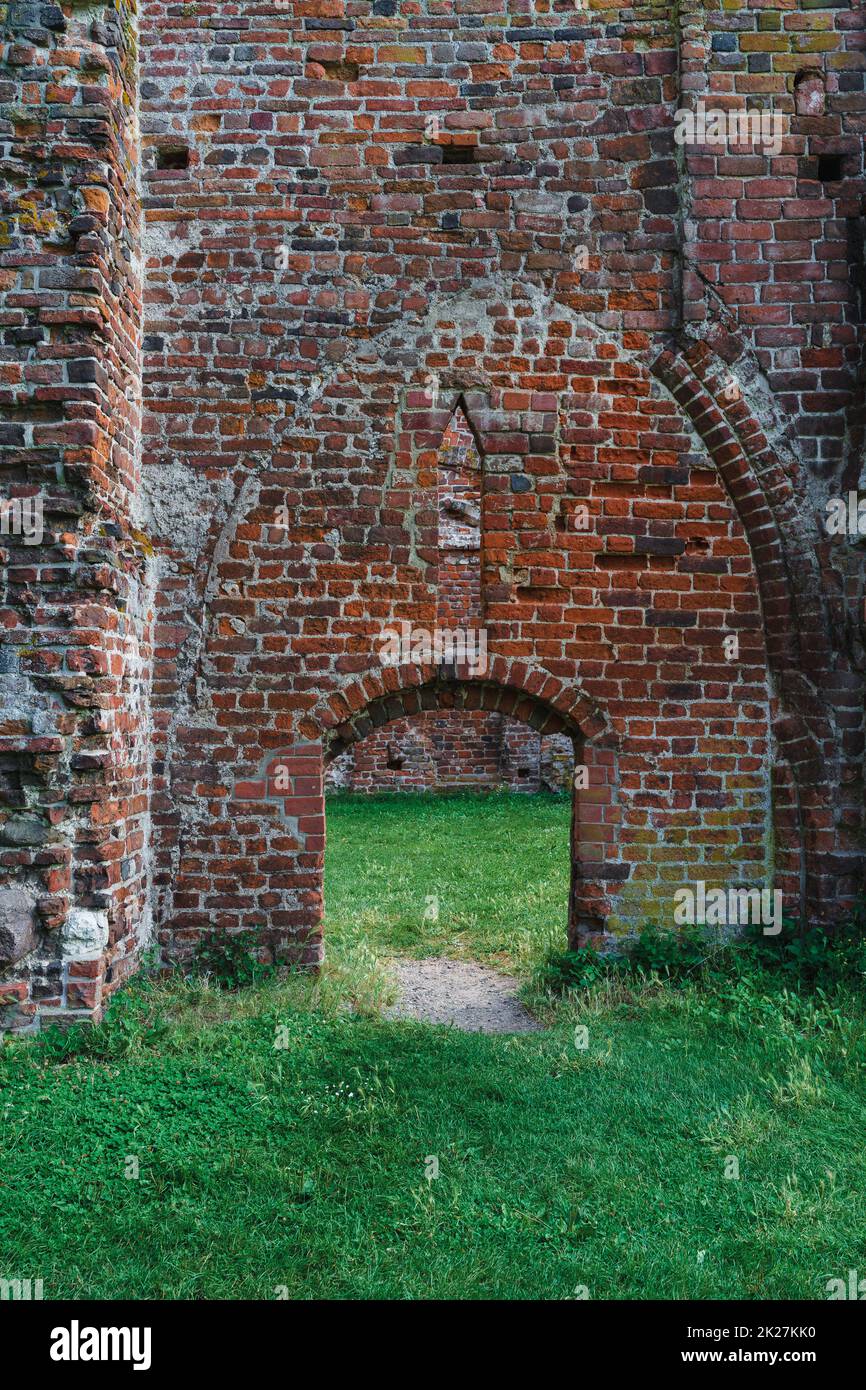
(253, 258)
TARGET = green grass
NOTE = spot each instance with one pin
(497, 867)
(302, 1166)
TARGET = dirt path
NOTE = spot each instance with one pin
(460, 992)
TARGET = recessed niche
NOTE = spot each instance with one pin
(458, 154)
(172, 157)
(829, 168)
(339, 70)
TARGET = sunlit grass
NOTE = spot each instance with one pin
(281, 1147)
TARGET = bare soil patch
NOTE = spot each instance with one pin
(461, 993)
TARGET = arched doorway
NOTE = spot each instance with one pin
(296, 775)
(452, 857)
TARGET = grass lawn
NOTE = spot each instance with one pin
(281, 1140)
(494, 869)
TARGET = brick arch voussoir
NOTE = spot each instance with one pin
(512, 688)
(734, 438)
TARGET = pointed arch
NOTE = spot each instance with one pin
(797, 623)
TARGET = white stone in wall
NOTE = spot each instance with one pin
(85, 934)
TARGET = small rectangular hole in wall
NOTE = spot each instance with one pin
(172, 158)
(458, 154)
(340, 70)
(829, 168)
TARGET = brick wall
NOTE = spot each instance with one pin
(74, 612)
(359, 217)
(442, 750)
(774, 245)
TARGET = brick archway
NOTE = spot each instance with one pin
(514, 688)
(294, 777)
(320, 688)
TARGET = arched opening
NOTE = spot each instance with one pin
(445, 859)
(582, 813)
(618, 603)
(459, 799)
